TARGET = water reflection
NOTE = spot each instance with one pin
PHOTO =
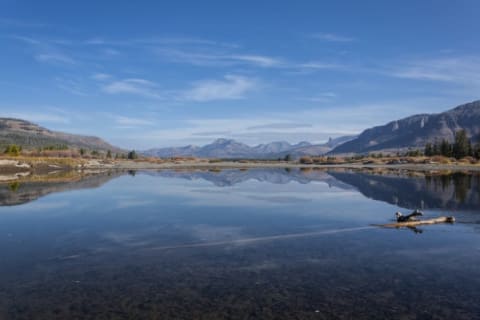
(32, 188)
(236, 244)
(452, 191)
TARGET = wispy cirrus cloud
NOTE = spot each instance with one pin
(280, 125)
(54, 57)
(217, 58)
(133, 86)
(211, 133)
(47, 51)
(462, 70)
(262, 61)
(331, 37)
(101, 76)
(321, 97)
(319, 65)
(132, 122)
(230, 87)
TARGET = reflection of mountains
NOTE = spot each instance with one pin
(16, 193)
(230, 177)
(456, 191)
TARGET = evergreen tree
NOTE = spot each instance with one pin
(132, 155)
(461, 144)
(436, 148)
(428, 149)
(476, 151)
(109, 154)
(445, 148)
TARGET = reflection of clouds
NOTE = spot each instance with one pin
(251, 193)
(122, 202)
(130, 239)
(44, 205)
(280, 199)
(206, 232)
(210, 191)
(254, 240)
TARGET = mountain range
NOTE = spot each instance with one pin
(415, 131)
(399, 135)
(31, 136)
(228, 148)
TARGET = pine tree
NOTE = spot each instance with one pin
(445, 148)
(461, 144)
(428, 149)
(476, 151)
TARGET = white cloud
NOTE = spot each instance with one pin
(216, 58)
(231, 87)
(132, 122)
(331, 37)
(54, 57)
(280, 125)
(462, 70)
(101, 76)
(133, 86)
(321, 97)
(262, 61)
(315, 125)
(320, 65)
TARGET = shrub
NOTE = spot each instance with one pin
(306, 160)
(13, 150)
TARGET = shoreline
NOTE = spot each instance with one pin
(197, 165)
(32, 165)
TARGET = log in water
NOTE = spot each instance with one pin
(418, 222)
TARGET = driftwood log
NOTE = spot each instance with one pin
(418, 222)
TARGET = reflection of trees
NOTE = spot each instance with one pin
(15, 193)
(13, 186)
(462, 184)
(459, 181)
(449, 191)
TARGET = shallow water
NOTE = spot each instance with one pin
(256, 244)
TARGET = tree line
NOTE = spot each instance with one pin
(460, 148)
(65, 151)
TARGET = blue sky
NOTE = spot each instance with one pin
(147, 74)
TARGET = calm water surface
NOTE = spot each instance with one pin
(256, 244)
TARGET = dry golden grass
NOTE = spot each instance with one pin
(46, 160)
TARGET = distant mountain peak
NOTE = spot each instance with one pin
(416, 130)
(229, 148)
